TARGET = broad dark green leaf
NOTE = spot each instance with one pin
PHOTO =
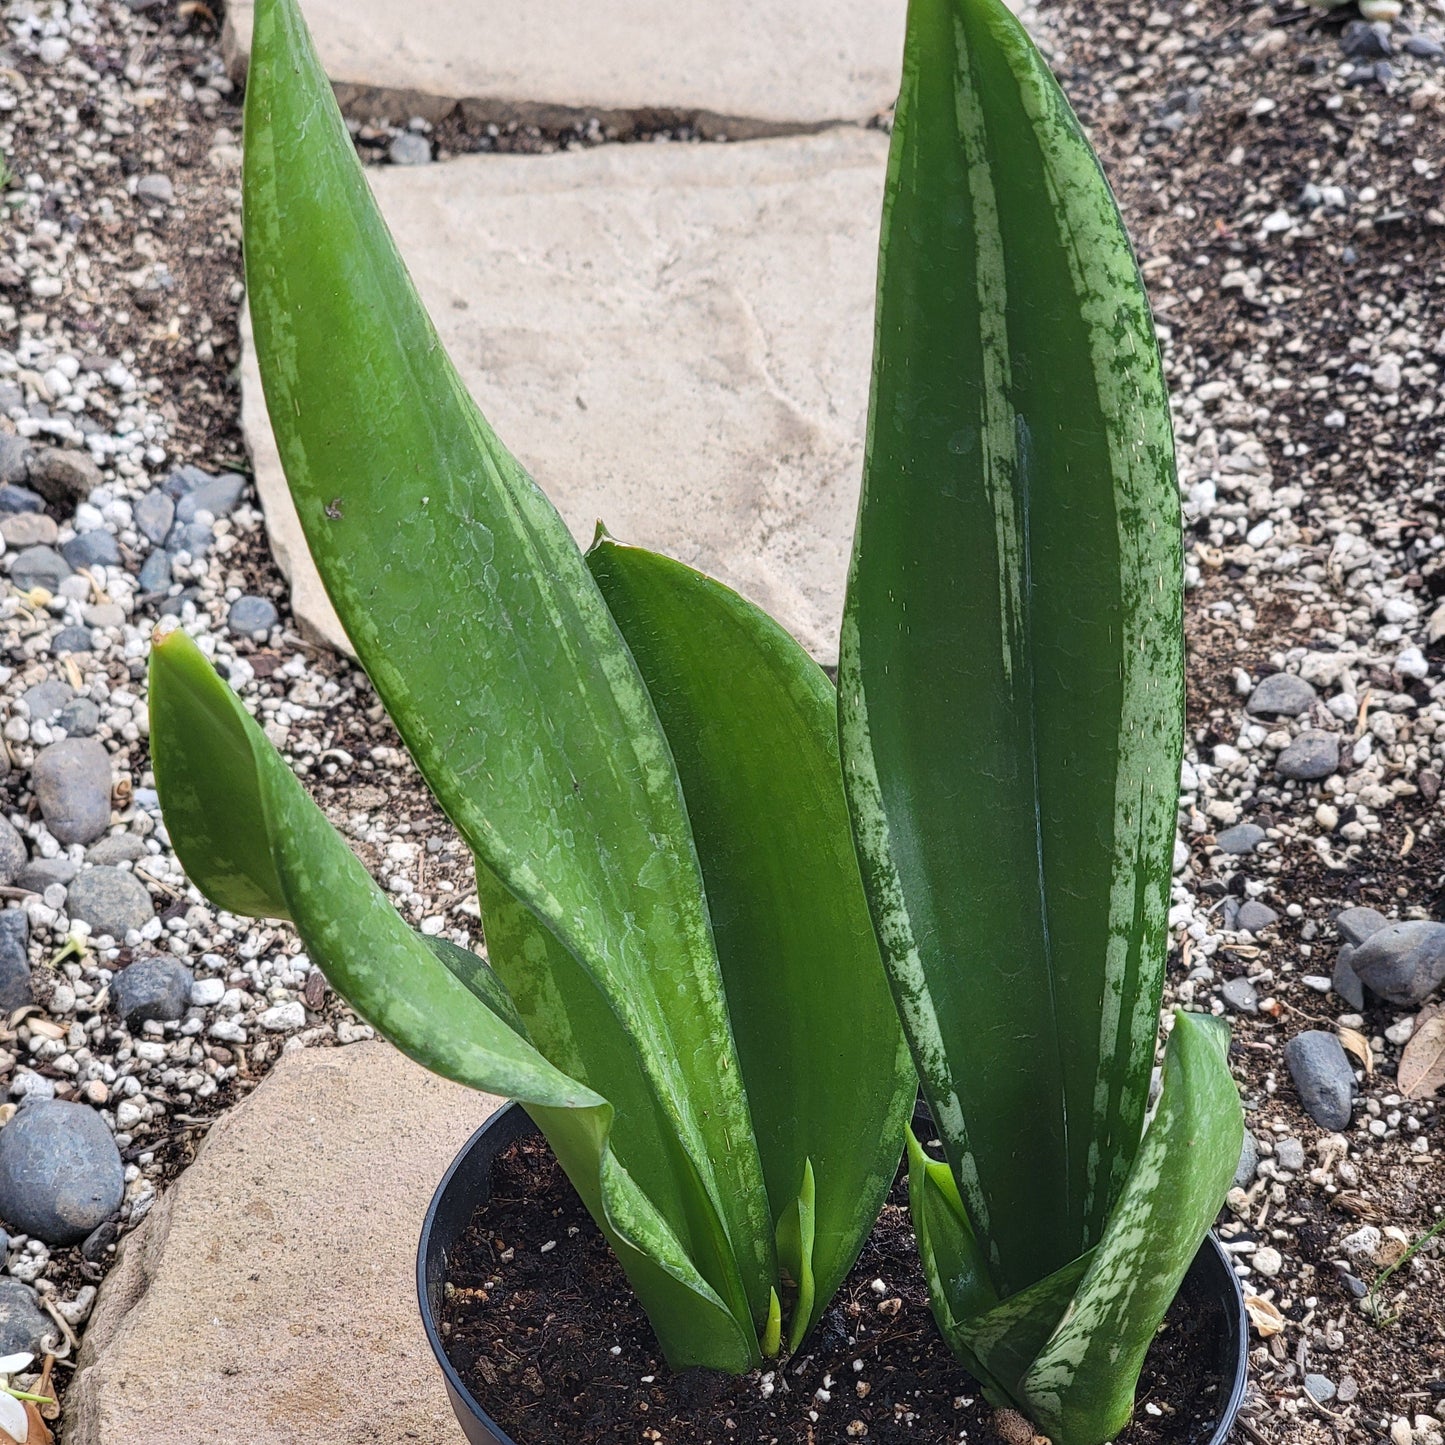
(1011, 689)
(473, 613)
(277, 856)
(752, 724)
(1080, 1388)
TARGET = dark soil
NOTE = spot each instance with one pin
(556, 1347)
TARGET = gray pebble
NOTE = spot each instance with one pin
(174, 606)
(157, 988)
(1248, 1162)
(1403, 962)
(1361, 40)
(110, 900)
(63, 477)
(217, 495)
(155, 572)
(1239, 994)
(155, 188)
(1289, 1154)
(60, 1171)
(1357, 924)
(409, 149)
(1322, 1074)
(1241, 839)
(1254, 916)
(72, 783)
(41, 873)
(1282, 694)
(1349, 1386)
(15, 990)
(98, 1241)
(14, 460)
(25, 1328)
(96, 548)
(117, 848)
(15, 500)
(72, 639)
(1311, 756)
(154, 514)
(13, 856)
(1425, 46)
(1321, 1388)
(28, 529)
(45, 700)
(192, 537)
(39, 567)
(80, 718)
(1346, 982)
(250, 616)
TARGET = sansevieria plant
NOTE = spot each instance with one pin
(689, 973)
(1011, 703)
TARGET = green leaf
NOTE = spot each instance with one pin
(1011, 679)
(278, 852)
(1080, 1389)
(797, 1244)
(752, 724)
(475, 617)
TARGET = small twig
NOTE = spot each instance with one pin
(65, 1330)
(160, 883)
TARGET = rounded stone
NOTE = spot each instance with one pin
(79, 718)
(1311, 756)
(1282, 694)
(409, 149)
(60, 1171)
(39, 567)
(1402, 962)
(251, 616)
(13, 856)
(63, 477)
(1240, 995)
(15, 986)
(156, 988)
(154, 513)
(72, 783)
(110, 900)
(45, 700)
(96, 548)
(1241, 839)
(25, 1328)
(1321, 1072)
(1255, 916)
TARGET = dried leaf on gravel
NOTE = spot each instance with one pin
(1357, 1044)
(1265, 1318)
(1422, 1065)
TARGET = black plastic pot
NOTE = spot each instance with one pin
(467, 1184)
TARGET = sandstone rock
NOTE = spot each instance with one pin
(642, 326)
(274, 1283)
(739, 70)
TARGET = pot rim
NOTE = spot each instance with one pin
(512, 1120)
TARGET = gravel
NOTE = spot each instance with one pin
(1242, 839)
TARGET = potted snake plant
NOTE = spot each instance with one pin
(726, 910)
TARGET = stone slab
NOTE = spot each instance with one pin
(270, 1293)
(744, 69)
(673, 338)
